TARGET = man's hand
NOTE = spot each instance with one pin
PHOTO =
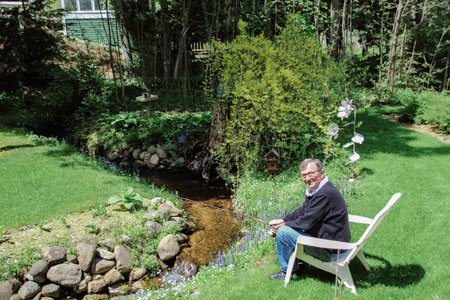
(277, 223)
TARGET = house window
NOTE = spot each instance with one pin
(84, 5)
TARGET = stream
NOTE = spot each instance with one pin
(216, 229)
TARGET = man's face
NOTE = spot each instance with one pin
(311, 176)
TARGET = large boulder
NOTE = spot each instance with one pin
(29, 289)
(101, 266)
(86, 254)
(51, 290)
(168, 247)
(6, 290)
(169, 209)
(124, 259)
(55, 255)
(154, 160)
(67, 275)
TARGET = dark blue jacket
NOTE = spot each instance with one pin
(323, 215)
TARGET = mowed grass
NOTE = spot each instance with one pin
(38, 183)
(408, 253)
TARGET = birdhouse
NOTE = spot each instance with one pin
(272, 162)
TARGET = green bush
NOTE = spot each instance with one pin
(126, 129)
(407, 98)
(278, 94)
(434, 109)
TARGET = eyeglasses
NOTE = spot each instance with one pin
(309, 174)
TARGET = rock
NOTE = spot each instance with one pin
(38, 278)
(152, 215)
(154, 160)
(142, 155)
(137, 273)
(97, 277)
(147, 157)
(38, 296)
(118, 290)
(153, 227)
(113, 156)
(109, 244)
(29, 289)
(16, 284)
(124, 164)
(96, 286)
(6, 290)
(95, 297)
(81, 287)
(113, 276)
(51, 290)
(152, 149)
(68, 275)
(123, 259)
(138, 286)
(71, 258)
(101, 266)
(86, 253)
(136, 154)
(105, 254)
(126, 154)
(186, 269)
(156, 201)
(170, 210)
(161, 152)
(38, 268)
(14, 297)
(46, 298)
(125, 239)
(168, 247)
(55, 255)
(181, 238)
(181, 222)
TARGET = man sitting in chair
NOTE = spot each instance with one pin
(323, 215)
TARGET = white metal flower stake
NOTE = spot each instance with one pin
(344, 111)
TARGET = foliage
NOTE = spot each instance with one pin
(11, 266)
(279, 95)
(130, 200)
(434, 109)
(28, 43)
(125, 129)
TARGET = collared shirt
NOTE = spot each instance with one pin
(321, 184)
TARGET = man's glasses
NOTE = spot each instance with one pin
(309, 174)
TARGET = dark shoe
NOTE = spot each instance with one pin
(279, 275)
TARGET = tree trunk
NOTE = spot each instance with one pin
(446, 81)
(392, 67)
(334, 39)
(166, 41)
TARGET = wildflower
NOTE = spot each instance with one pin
(345, 108)
(347, 145)
(334, 130)
(354, 157)
(358, 138)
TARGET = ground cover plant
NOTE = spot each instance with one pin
(407, 253)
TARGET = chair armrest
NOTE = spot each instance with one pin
(359, 219)
(323, 243)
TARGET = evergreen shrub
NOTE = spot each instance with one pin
(279, 94)
(434, 109)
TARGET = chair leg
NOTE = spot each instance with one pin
(290, 267)
(362, 259)
(346, 278)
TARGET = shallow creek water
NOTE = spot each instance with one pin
(215, 229)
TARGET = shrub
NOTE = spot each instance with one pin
(434, 109)
(408, 99)
(278, 94)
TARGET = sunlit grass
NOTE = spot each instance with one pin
(38, 183)
(407, 253)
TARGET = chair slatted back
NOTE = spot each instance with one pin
(372, 226)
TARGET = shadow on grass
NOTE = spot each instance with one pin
(389, 137)
(400, 276)
(7, 148)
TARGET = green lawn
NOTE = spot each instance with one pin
(38, 183)
(408, 253)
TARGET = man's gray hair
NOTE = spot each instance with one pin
(307, 161)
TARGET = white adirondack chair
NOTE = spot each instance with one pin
(341, 266)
